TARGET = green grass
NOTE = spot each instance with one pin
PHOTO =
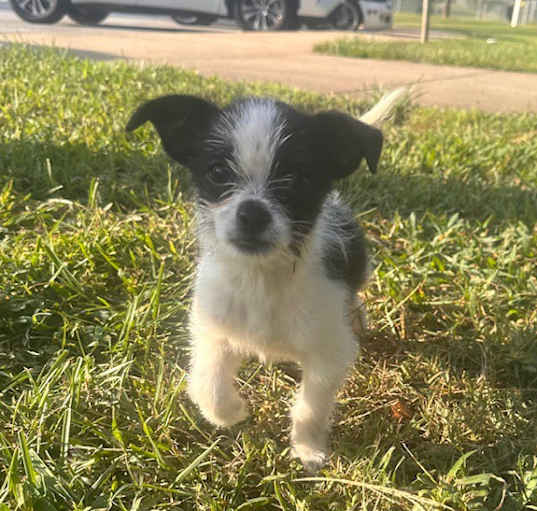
(483, 44)
(96, 262)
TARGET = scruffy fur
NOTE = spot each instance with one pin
(281, 257)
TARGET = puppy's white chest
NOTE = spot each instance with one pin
(247, 304)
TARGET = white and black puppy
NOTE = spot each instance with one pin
(281, 257)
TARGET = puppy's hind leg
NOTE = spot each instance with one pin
(213, 368)
(323, 374)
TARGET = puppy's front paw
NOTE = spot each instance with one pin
(219, 403)
(225, 412)
(313, 459)
(229, 412)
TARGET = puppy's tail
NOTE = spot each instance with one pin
(385, 107)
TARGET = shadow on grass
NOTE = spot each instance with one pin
(126, 176)
(471, 199)
(488, 405)
(44, 309)
(507, 360)
(45, 169)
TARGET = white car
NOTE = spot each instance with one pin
(249, 14)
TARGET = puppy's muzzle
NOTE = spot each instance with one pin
(253, 220)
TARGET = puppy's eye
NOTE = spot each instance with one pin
(218, 175)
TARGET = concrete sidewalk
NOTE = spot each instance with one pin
(287, 57)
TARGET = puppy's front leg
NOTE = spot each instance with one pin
(321, 379)
(213, 368)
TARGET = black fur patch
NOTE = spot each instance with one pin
(346, 260)
(298, 181)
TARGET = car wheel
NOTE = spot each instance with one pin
(194, 19)
(347, 16)
(40, 11)
(263, 14)
(87, 15)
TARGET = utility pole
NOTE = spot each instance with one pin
(516, 13)
(425, 15)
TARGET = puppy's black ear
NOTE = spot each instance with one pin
(181, 121)
(340, 143)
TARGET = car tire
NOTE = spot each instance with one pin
(194, 19)
(263, 15)
(87, 15)
(40, 11)
(347, 16)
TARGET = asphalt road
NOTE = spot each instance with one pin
(284, 57)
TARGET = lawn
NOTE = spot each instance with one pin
(96, 262)
(484, 44)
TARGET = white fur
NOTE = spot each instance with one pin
(277, 308)
(385, 107)
(255, 132)
(225, 215)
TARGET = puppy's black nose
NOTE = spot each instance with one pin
(253, 217)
